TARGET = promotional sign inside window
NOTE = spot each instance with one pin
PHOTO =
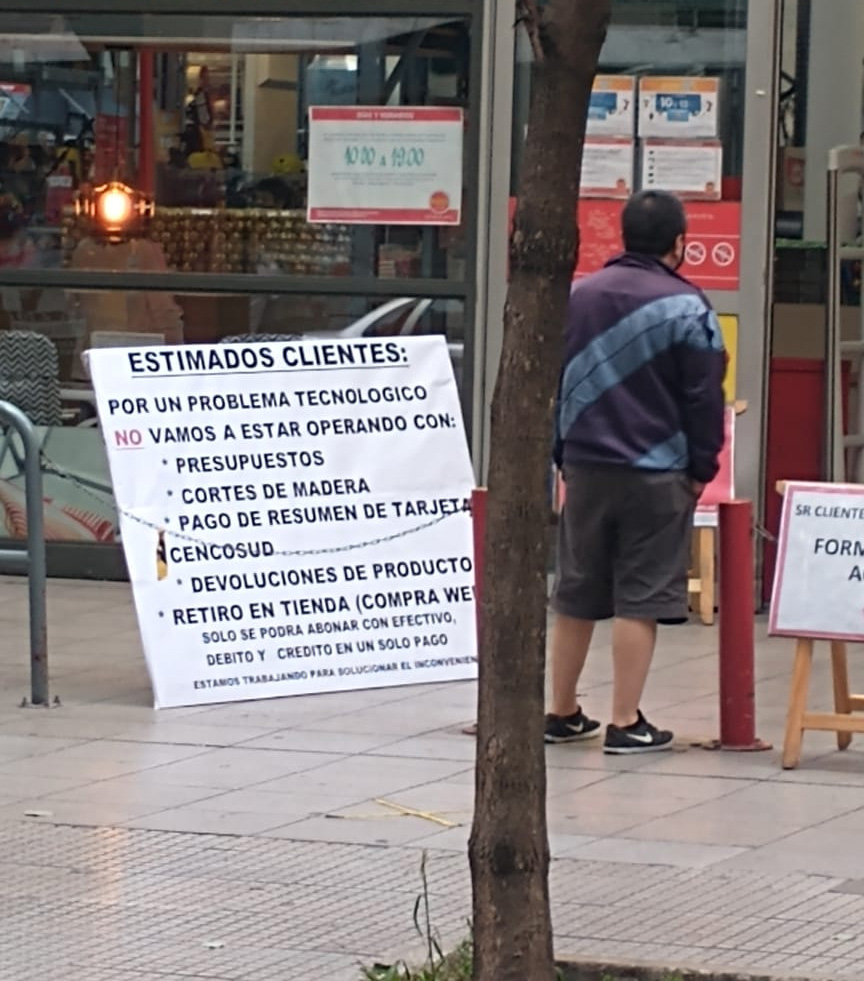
(294, 516)
(607, 168)
(612, 109)
(380, 165)
(819, 583)
(690, 170)
(679, 107)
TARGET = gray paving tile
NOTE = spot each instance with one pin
(384, 831)
(128, 790)
(438, 797)
(183, 733)
(334, 743)
(453, 745)
(237, 767)
(368, 776)
(826, 850)
(89, 813)
(19, 747)
(254, 801)
(679, 854)
(196, 820)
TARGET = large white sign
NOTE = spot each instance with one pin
(819, 580)
(294, 515)
(379, 165)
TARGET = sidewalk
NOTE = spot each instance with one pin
(245, 841)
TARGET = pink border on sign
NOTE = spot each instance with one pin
(788, 498)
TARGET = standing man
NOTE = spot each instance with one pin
(639, 429)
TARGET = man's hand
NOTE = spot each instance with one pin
(697, 488)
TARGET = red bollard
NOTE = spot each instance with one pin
(737, 649)
(478, 514)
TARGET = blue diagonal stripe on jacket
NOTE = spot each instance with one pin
(642, 380)
(625, 348)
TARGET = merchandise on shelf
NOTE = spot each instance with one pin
(227, 240)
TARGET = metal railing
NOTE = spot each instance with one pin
(31, 559)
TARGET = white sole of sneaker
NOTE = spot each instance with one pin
(635, 750)
(577, 737)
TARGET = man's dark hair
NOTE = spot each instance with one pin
(651, 222)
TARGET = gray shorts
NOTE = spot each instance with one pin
(624, 544)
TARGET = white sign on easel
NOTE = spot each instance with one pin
(293, 515)
(819, 581)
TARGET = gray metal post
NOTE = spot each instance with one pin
(841, 160)
(833, 465)
(35, 560)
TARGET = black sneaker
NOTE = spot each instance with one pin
(641, 737)
(570, 728)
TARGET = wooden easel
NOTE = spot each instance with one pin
(702, 585)
(798, 719)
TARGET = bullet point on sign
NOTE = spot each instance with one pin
(167, 521)
(170, 493)
(161, 614)
(165, 463)
(179, 582)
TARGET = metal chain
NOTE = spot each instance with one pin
(763, 532)
(49, 466)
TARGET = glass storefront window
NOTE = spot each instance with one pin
(667, 112)
(221, 249)
(223, 148)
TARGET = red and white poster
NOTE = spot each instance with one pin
(712, 260)
(371, 165)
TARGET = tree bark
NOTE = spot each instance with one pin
(509, 847)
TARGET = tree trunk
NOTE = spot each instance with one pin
(509, 847)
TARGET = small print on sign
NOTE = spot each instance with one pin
(294, 515)
(819, 585)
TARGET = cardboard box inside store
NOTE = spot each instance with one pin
(799, 329)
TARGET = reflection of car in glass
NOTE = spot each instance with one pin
(405, 316)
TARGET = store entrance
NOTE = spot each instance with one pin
(204, 122)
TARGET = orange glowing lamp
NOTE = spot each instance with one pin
(116, 210)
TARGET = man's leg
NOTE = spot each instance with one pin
(570, 641)
(632, 650)
(655, 518)
(582, 595)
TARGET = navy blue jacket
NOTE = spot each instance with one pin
(642, 382)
